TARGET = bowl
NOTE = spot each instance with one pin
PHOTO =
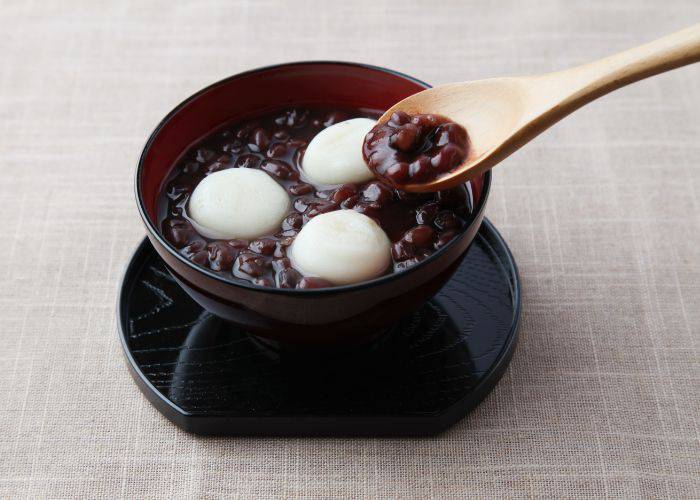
(348, 314)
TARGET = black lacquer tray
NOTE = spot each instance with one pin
(421, 376)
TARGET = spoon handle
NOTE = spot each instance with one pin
(582, 84)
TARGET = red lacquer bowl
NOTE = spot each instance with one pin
(344, 314)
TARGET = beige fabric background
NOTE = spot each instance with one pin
(602, 214)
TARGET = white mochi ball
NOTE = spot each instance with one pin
(334, 155)
(238, 203)
(342, 247)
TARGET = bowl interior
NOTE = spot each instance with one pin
(344, 84)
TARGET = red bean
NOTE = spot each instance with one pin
(301, 204)
(420, 170)
(343, 193)
(398, 173)
(237, 244)
(243, 132)
(247, 161)
(196, 252)
(264, 246)
(405, 138)
(201, 258)
(285, 242)
(177, 188)
(280, 264)
(293, 221)
(221, 256)
(399, 118)
(233, 146)
(402, 250)
(204, 155)
(276, 168)
(446, 220)
(251, 264)
(427, 212)
(420, 236)
(281, 249)
(293, 118)
(221, 163)
(300, 188)
(426, 120)
(179, 232)
(449, 157)
(377, 193)
(277, 150)
(366, 209)
(287, 233)
(288, 278)
(350, 202)
(334, 117)
(281, 135)
(311, 282)
(449, 133)
(320, 208)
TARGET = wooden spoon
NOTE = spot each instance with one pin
(503, 114)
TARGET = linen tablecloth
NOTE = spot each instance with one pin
(602, 213)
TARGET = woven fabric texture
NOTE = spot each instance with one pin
(602, 213)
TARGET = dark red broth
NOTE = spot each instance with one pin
(417, 224)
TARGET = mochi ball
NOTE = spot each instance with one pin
(238, 203)
(334, 155)
(342, 247)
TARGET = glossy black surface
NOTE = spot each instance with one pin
(419, 377)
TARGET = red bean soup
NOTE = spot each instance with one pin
(274, 142)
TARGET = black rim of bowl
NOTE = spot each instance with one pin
(312, 291)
